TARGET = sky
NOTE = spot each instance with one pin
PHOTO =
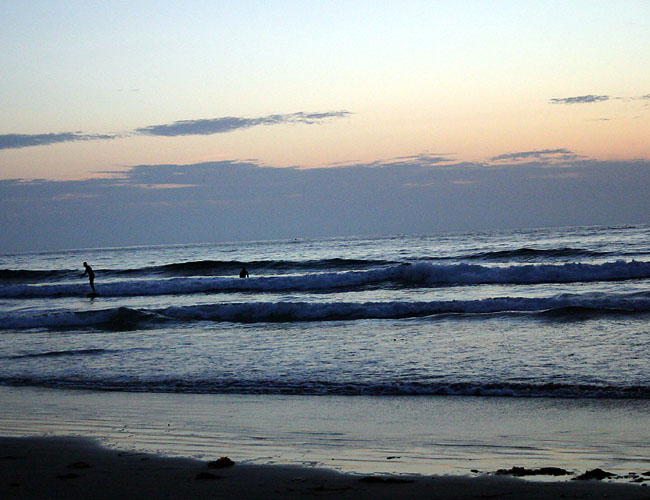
(322, 118)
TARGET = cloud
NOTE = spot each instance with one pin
(230, 123)
(16, 141)
(591, 98)
(183, 127)
(421, 160)
(229, 200)
(540, 155)
(582, 99)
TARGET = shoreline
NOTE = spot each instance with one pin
(442, 436)
(80, 468)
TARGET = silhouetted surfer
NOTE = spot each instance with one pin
(243, 273)
(91, 276)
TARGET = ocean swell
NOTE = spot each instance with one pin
(418, 274)
(124, 318)
(341, 388)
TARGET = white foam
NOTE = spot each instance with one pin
(325, 311)
(421, 274)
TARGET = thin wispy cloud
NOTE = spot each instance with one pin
(540, 155)
(230, 123)
(178, 128)
(421, 160)
(581, 99)
(16, 141)
(592, 98)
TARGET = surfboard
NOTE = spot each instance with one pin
(92, 295)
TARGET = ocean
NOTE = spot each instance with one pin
(374, 329)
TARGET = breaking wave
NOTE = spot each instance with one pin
(29, 275)
(218, 267)
(118, 318)
(124, 318)
(535, 253)
(199, 268)
(420, 274)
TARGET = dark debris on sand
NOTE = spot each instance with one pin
(598, 474)
(221, 463)
(523, 471)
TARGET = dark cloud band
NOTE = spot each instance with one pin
(15, 141)
(230, 123)
(230, 200)
(184, 127)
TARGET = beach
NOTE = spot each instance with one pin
(442, 359)
(325, 250)
(74, 468)
(90, 444)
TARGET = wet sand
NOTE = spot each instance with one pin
(442, 436)
(78, 468)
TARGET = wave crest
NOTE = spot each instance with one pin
(420, 274)
(123, 318)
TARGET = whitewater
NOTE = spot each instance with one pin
(556, 312)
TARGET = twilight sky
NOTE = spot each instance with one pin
(414, 115)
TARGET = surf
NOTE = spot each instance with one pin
(125, 318)
(407, 275)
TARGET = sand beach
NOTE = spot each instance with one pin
(75, 468)
(96, 445)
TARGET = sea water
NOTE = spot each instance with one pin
(555, 315)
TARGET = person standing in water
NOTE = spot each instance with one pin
(91, 276)
(243, 273)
